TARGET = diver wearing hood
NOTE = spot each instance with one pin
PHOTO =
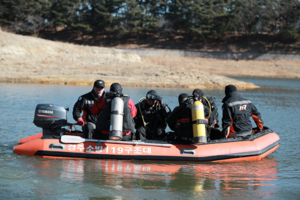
(236, 114)
(180, 119)
(210, 108)
(151, 117)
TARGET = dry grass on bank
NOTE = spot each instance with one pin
(34, 60)
(246, 68)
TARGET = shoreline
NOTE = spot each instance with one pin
(213, 54)
(243, 86)
(90, 83)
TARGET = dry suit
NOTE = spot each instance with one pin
(180, 121)
(103, 122)
(155, 120)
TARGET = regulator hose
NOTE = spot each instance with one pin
(208, 105)
(209, 110)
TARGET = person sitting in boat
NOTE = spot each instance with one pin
(236, 114)
(105, 124)
(211, 114)
(151, 117)
(180, 119)
(210, 108)
(84, 103)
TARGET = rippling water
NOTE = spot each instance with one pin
(275, 177)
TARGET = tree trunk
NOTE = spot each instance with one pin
(272, 40)
(204, 41)
(248, 42)
(83, 39)
(186, 40)
(225, 42)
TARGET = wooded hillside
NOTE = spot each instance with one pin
(259, 25)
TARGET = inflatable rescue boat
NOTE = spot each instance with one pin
(59, 140)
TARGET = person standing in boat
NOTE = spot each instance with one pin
(151, 117)
(236, 114)
(84, 103)
(103, 122)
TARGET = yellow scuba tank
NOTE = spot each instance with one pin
(199, 130)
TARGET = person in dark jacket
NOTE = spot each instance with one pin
(236, 114)
(151, 117)
(180, 119)
(84, 103)
(104, 123)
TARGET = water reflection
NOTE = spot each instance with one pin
(229, 179)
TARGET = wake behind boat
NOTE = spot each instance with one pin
(59, 140)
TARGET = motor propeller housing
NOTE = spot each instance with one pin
(50, 116)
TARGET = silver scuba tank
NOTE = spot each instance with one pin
(116, 119)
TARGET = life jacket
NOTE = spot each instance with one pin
(184, 120)
(103, 121)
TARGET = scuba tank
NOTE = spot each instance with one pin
(116, 119)
(198, 121)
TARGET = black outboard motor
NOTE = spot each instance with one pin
(51, 118)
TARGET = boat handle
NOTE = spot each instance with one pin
(57, 146)
(188, 151)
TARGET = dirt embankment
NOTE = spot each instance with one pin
(246, 68)
(33, 60)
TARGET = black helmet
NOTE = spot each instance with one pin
(116, 88)
(182, 98)
(151, 94)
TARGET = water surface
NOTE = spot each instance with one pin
(275, 177)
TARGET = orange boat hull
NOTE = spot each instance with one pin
(235, 151)
(30, 138)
